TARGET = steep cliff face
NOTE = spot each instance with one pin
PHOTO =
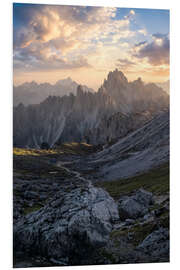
(117, 108)
(66, 118)
(133, 96)
(118, 125)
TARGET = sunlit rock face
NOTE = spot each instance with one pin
(133, 96)
(117, 108)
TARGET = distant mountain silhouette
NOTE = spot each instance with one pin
(34, 93)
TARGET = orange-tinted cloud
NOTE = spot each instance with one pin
(55, 32)
(65, 39)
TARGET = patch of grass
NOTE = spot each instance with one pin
(72, 148)
(75, 148)
(36, 166)
(164, 220)
(108, 255)
(34, 208)
(138, 233)
(16, 193)
(119, 233)
(156, 181)
(33, 152)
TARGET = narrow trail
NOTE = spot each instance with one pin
(77, 174)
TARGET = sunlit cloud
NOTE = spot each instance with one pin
(53, 32)
(132, 12)
(156, 52)
(143, 31)
(125, 63)
(72, 39)
(130, 15)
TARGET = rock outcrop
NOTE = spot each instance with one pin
(156, 244)
(132, 207)
(76, 221)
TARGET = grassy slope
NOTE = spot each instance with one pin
(156, 181)
(38, 161)
(66, 148)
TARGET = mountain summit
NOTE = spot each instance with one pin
(129, 95)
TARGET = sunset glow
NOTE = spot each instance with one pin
(85, 43)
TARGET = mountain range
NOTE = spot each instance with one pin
(34, 93)
(117, 108)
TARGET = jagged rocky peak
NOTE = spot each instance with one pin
(117, 75)
(80, 90)
(127, 93)
(115, 85)
(114, 79)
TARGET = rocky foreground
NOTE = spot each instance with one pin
(60, 218)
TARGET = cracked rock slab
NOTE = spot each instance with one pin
(71, 225)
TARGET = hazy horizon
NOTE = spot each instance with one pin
(78, 82)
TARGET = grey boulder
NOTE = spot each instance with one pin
(132, 207)
(144, 197)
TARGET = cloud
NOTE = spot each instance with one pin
(125, 63)
(53, 63)
(130, 15)
(132, 12)
(54, 32)
(39, 56)
(156, 52)
(140, 44)
(53, 22)
(142, 31)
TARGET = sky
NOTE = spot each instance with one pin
(53, 42)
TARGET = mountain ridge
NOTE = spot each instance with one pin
(84, 116)
(34, 93)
